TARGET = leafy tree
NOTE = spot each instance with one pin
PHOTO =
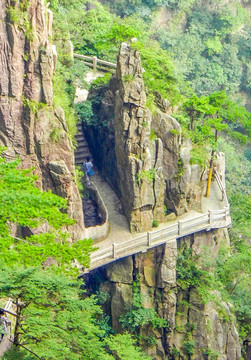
(196, 108)
(24, 206)
(54, 320)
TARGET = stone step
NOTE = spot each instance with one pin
(79, 136)
(81, 148)
(82, 142)
(79, 161)
(82, 156)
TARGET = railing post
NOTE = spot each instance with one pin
(210, 217)
(114, 251)
(225, 213)
(94, 62)
(179, 228)
(148, 239)
(222, 193)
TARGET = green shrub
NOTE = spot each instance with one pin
(79, 175)
(148, 175)
(85, 112)
(188, 347)
(128, 78)
(155, 223)
(150, 103)
(152, 136)
(138, 316)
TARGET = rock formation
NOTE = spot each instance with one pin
(28, 119)
(142, 154)
(195, 329)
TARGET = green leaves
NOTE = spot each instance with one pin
(139, 316)
(57, 322)
(23, 204)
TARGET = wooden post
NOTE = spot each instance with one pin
(225, 213)
(94, 62)
(148, 239)
(222, 193)
(114, 251)
(179, 228)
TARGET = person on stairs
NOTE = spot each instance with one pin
(87, 166)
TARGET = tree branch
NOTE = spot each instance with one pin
(26, 349)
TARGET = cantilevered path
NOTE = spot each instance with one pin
(121, 243)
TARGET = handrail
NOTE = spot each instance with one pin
(221, 187)
(212, 219)
(95, 62)
(207, 221)
(6, 340)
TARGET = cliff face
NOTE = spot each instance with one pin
(195, 330)
(141, 154)
(27, 116)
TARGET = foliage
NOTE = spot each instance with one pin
(100, 33)
(33, 105)
(85, 113)
(207, 49)
(102, 80)
(211, 355)
(25, 205)
(155, 223)
(127, 78)
(55, 321)
(79, 176)
(138, 316)
(148, 175)
(188, 273)
(188, 347)
(160, 74)
(63, 97)
(18, 15)
(123, 346)
(150, 103)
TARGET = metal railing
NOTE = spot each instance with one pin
(95, 63)
(212, 219)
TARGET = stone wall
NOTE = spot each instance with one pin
(27, 115)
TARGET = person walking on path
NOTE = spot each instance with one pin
(87, 166)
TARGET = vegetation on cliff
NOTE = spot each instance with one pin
(53, 317)
(196, 55)
(205, 49)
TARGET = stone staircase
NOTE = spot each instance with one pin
(82, 149)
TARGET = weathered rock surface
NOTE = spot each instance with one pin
(189, 319)
(141, 154)
(138, 160)
(27, 117)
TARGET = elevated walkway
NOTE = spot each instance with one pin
(121, 243)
